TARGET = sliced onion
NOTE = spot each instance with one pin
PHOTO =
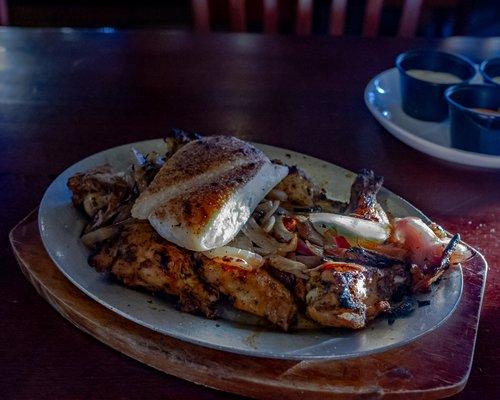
(357, 229)
(240, 258)
(283, 211)
(241, 242)
(268, 225)
(302, 248)
(90, 239)
(277, 194)
(264, 207)
(316, 250)
(257, 235)
(280, 231)
(267, 244)
(307, 232)
(289, 247)
(270, 212)
(310, 261)
(286, 265)
(139, 157)
(99, 235)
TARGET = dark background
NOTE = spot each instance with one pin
(440, 18)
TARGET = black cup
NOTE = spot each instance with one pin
(472, 130)
(489, 69)
(422, 99)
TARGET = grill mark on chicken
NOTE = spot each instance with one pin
(141, 258)
(295, 285)
(347, 295)
(256, 292)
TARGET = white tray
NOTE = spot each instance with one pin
(383, 99)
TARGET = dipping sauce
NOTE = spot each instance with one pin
(433, 76)
(487, 111)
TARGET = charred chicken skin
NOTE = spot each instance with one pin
(140, 258)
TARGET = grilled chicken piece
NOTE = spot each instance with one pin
(303, 194)
(363, 202)
(348, 295)
(299, 187)
(255, 292)
(294, 284)
(100, 192)
(206, 191)
(178, 138)
(141, 258)
(359, 255)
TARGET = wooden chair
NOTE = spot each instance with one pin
(4, 13)
(303, 22)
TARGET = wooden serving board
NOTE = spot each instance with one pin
(435, 366)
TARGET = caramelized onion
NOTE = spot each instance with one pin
(280, 231)
(99, 235)
(240, 258)
(90, 239)
(267, 244)
(268, 225)
(307, 232)
(256, 234)
(286, 265)
(241, 242)
(310, 261)
(272, 209)
(316, 250)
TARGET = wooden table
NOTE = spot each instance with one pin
(65, 94)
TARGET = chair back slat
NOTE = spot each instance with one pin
(201, 15)
(408, 23)
(270, 16)
(337, 17)
(4, 13)
(371, 21)
(410, 15)
(304, 17)
(237, 15)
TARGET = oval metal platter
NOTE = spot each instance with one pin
(61, 225)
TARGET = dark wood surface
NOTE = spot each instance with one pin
(67, 94)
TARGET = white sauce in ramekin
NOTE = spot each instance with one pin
(433, 76)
